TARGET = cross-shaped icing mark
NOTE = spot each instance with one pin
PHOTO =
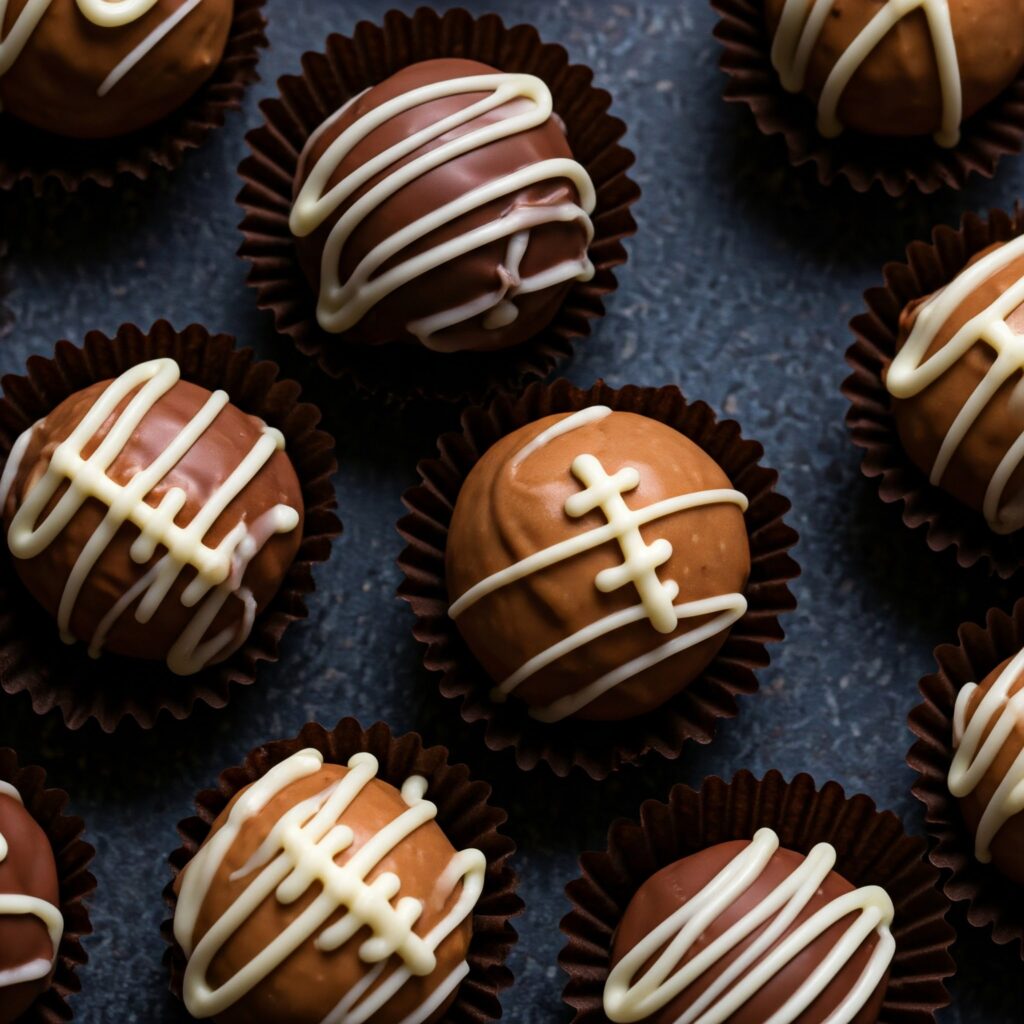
(640, 560)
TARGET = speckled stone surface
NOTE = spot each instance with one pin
(739, 286)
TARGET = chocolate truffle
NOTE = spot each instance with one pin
(891, 68)
(595, 563)
(92, 69)
(151, 517)
(442, 206)
(345, 888)
(31, 926)
(987, 773)
(956, 384)
(742, 929)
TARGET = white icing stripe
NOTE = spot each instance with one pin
(631, 996)
(341, 306)
(300, 853)
(219, 571)
(800, 28)
(913, 369)
(976, 754)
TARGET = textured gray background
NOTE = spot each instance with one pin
(739, 285)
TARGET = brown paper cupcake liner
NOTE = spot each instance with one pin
(111, 689)
(895, 164)
(463, 813)
(872, 849)
(992, 901)
(929, 266)
(347, 67)
(73, 856)
(29, 155)
(597, 748)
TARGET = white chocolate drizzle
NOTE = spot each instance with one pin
(913, 370)
(219, 571)
(102, 13)
(341, 306)
(800, 27)
(638, 568)
(634, 994)
(998, 714)
(298, 854)
(23, 905)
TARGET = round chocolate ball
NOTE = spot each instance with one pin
(956, 384)
(152, 518)
(442, 206)
(987, 773)
(595, 564)
(91, 69)
(885, 68)
(746, 977)
(347, 885)
(30, 921)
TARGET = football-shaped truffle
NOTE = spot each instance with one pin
(323, 893)
(595, 563)
(442, 206)
(151, 517)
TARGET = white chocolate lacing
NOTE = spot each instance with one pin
(342, 305)
(638, 569)
(634, 994)
(800, 27)
(219, 571)
(299, 853)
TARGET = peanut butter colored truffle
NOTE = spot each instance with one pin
(347, 889)
(987, 773)
(93, 69)
(184, 519)
(823, 923)
(956, 384)
(443, 207)
(596, 562)
(885, 67)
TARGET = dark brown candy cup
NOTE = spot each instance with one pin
(896, 165)
(872, 426)
(463, 813)
(597, 748)
(110, 689)
(34, 157)
(992, 900)
(347, 67)
(73, 856)
(872, 849)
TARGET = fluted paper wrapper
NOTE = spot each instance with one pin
(594, 747)
(896, 165)
(947, 523)
(872, 849)
(110, 689)
(36, 158)
(464, 814)
(348, 66)
(992, 901)
(73, 856)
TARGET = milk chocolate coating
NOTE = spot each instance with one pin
(507, 511)
(668, 890)
(1008, 845)
(896, 91)
(29, 869)
(199, 473)
(311, 983)
(477, 273)
(54, 82)
(924, 420)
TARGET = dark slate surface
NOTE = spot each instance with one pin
(739, 286)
